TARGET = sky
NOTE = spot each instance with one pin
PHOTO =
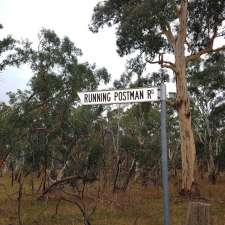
(24, 19)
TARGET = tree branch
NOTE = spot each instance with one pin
(163, 64)
(169, 67)
(209, 49)
(169, 35)
(66, 180)
(197, 55)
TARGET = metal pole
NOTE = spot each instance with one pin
(164, 155)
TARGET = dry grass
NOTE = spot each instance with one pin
(138, 206)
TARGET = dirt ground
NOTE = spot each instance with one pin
(138, 206)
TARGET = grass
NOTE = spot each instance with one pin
(138, 206)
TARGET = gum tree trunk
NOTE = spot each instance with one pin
(188, 151)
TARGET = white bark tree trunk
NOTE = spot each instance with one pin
(188, 151)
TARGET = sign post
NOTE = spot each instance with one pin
(138, 95)
(164, 154)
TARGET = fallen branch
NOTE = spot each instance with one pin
(66, 180)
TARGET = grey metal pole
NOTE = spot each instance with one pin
(164, 155)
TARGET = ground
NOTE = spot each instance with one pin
(138, 206)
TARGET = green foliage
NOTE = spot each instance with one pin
(6, 130)
(50, 126)
(13, 52)
(140, 24)
(205, 17)
(6, 44)
(206, 85)
(141, 133)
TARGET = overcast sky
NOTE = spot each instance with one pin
(25, 18)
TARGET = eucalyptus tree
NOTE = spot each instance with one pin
(44, 111)
(207, 88)
(87, 149)
(141, 140)
(139, 147)
(21, 119)
(6, 132)
(7, 44)
(150, 29)
(11, 53)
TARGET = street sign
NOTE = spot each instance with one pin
(139, 95)
(119, 96)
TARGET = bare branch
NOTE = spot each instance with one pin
(163, 64)
(169, 67)
(66, 180)
(209, 49)
(197, 55)
(159, 62)
(166, 30)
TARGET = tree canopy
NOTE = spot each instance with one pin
(151, 26)
(148, 30)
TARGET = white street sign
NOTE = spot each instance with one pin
(119, 96)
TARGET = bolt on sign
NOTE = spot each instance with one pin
(119, 96)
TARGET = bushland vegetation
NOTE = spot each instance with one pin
(63, 163)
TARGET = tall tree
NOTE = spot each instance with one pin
(151, 28)
(207, 87)
(5, 133)
(43, 114)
